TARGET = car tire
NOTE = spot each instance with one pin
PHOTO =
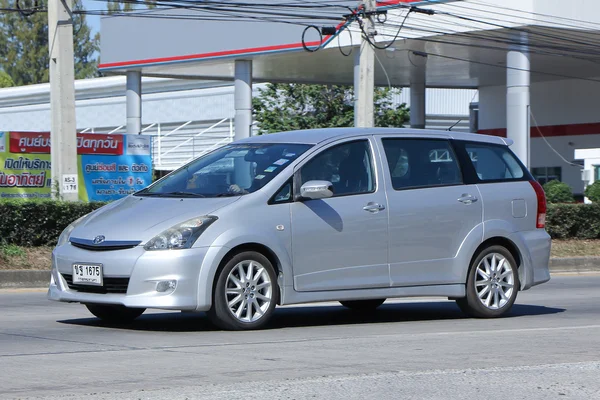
(492, 284)
(115, 312)
(245, 292)
(362, 305)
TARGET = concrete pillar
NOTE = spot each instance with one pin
(63, 136)
(518, 101)
(417, 105)
(243, 99)
(134, 102)
(473, 117)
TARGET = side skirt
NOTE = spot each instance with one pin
(290, 296)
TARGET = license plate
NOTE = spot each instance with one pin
(87, 274)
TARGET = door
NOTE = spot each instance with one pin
(431, 211)
(341, 242)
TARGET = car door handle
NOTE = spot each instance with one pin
(374, 207)
(467, 199)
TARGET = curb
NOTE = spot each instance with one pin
(575, 264)
(12, 279)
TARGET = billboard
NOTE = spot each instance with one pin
(109, 166)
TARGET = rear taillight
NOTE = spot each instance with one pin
(540, 221)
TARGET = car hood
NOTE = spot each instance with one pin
(141, 218)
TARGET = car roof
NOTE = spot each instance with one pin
(315, 136)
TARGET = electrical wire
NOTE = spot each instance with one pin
(384, 71)
(548, 143)
(513, 68)
(351, 42)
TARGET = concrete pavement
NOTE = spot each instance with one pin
(548, 348)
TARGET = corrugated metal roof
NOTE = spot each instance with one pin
(443, 101)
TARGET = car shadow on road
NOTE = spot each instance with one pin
(312, 316)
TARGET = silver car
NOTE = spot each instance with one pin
(351, 215)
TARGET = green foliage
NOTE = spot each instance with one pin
(592, 192)
(38, 223)
(117, 6)
(573, 221)
(8, 251)
(5, 80)
(284, 107)
(558, 192)
(24, 45)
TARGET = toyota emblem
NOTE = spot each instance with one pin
(99, 239)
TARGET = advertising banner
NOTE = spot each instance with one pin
(109, 166)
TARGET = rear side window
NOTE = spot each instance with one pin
(494, 163)
(417, 163)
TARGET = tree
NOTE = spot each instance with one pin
(5, 80)
(592, 192)
(24, 45)
(116, 6)
(284, 107)
(558, 192)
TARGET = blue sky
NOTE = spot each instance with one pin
(94, 20)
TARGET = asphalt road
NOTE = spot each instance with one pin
(549, 347)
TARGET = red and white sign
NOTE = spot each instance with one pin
(87, 143)
(30, 142)
(94, 143)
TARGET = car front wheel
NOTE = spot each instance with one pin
(245, 293)
(492, 284)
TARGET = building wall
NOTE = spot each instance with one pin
(557, 103)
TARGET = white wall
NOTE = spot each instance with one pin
(552, 103)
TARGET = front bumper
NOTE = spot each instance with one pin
(144, 270)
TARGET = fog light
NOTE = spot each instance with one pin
(166, 286)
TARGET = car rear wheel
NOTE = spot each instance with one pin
(492, 284)
(245, 293)
(362, 305)
(114, 312)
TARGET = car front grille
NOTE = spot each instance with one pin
(108, 245)
(111, 285)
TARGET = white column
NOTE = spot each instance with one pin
(134, 102)
(63, 136)
(243, 99)
(364, 99)
(417, 105)
(518, 101)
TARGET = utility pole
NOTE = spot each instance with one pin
(63, 136)
(363, 106)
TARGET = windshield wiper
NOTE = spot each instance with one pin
(229, 194)
(182, 194)
(170, 194)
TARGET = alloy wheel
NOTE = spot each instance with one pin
(494, 281)
(249, 291)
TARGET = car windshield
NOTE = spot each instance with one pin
(232, 170)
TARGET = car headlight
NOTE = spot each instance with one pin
(66, 233)
(181, 236)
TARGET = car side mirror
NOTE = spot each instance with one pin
(313, 190)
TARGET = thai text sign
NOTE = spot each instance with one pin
(109, 166)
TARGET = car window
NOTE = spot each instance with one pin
(415, 163)
(347, 166)
(493, 163)
(232, 170)
(284, 194)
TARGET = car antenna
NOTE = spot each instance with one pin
(457, 122)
